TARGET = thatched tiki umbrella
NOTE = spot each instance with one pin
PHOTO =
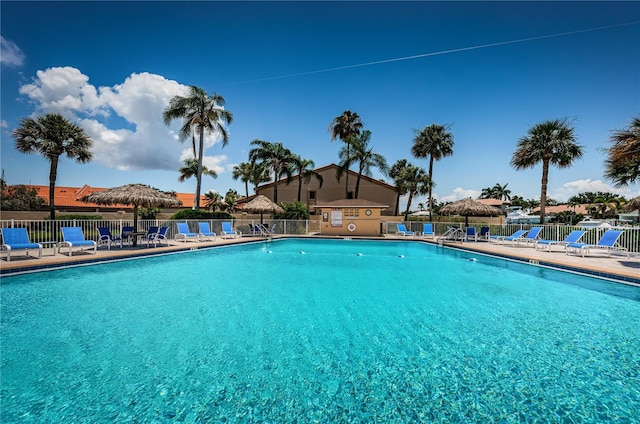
(633, 204)
(132, 194)
(468, 207)
(262, 204)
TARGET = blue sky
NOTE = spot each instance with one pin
(490, 70)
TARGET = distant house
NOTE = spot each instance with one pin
(312, 194)
(67, 199)
(498, 203)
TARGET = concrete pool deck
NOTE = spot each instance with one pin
(618, 266)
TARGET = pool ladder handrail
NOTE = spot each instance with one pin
(453, 233)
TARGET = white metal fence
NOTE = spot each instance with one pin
(630, 238)
(45, 230)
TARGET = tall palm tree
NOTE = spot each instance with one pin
(552, 143)
(623, 158)
(52, 135)
(244, 172)
(190, 169)
(306, 171)
(363, 155)
(272, 156)
(344, 127)
(395, 172)
(436, 142)
(200, 113)
(415, 182)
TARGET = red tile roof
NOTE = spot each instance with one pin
(69, 197)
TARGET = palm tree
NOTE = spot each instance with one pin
(190, 169)
(212, 200)
(501, 192)
(487, 193)
(607, 201)
(549, 142)
(623, 161)
(420, 206)
(395, 172)
(415, 182)
(52, 135)
(272, 156)
(436, 142)
(244, 172)
(344, 127)
(363, 155)
(200, 113)
(305, 170)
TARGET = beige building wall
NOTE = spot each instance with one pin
(352, 222)
(332, 189)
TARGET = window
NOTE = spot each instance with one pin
(312, 195)
(350, 195)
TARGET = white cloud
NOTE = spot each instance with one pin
(11, 55)
(573, 188)
(4, 124)
(459, 193)
(124, 120)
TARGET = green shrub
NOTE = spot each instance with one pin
(200, 214)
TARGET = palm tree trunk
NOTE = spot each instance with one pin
(406, 213)
(246, 188)
(430, 188)
(358, 184)
(397, 209)
(275, 183)
(196, 200)
(299, 186)
(543, 190)
(346, 185)
(53, 175)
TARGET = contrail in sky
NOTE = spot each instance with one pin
(418, 56)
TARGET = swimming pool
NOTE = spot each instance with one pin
(324, 330)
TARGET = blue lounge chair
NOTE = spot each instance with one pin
(18, 239)
(573, 237)
(228, 231)
(470, 234)
(517, 234)
(608, 242)
(402, 231)
(107, 238)
(204, 231)
(158, 237)
(531, 237)
(484, 233)
(74, 237)
(184, 234)
(427, 230)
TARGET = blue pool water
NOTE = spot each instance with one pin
(348, 331)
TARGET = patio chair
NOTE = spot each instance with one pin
(427, 230)
(204, 231)
(402, 231)
(127, 234)
(573, 237)
(74, 237)
(228, 231)
(484, 233)
(107, 238)
(158, 237)
(531, 237)
(517, 234)
(608, 242)
(18, 239)
(151, 234)
(184, 234)
(471, 234)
